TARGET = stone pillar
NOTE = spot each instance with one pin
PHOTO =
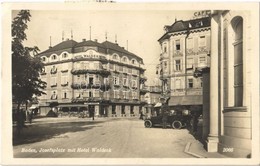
(127, 111)
(205, 131)
(212, 143)
(118, 110)
(109, 111)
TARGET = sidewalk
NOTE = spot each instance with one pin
(196, 149)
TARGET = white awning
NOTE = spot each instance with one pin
(158, 105)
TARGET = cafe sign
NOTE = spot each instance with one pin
(200, 14)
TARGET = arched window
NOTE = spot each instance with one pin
(64, 55)
(43, 59)
(133, 62)
(237, 24)
(115, 57)
(124, 59)
(54, 57)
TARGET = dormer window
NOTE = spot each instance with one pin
(43, 59)
(115, 57)
(124, 59)
(54, 57)
(133, 62)
(64, 55)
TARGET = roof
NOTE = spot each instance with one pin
(63, 45)
(116, 47)
(186, 100)
(89, 43)
(185, 25)
(105, 45)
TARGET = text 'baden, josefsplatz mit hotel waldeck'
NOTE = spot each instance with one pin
(102, 78)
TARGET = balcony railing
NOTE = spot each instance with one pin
(102, 72)
(54, 71)
(143, 78)
(87, 99)
(103, 87)
(144, 90)
(178, 53)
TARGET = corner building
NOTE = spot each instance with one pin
(185, 48)
(102, 78)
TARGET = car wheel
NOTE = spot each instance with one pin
(176, 124)
(148, 124)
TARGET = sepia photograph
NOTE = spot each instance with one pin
(101, 83)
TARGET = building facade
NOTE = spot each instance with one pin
(102, 78)
(229, 96)
(185, 48)
(152, 98)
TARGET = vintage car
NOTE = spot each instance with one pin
(174, 121)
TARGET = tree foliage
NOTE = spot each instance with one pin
(25, 68)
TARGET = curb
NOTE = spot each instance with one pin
(187, 148)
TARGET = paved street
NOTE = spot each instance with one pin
(104, 138)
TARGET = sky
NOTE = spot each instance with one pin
(142, 29)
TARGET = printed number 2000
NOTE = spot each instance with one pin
(228, 149)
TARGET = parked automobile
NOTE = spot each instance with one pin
(174, 121)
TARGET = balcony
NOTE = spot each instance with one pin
(54, 71)
(143, 78)
(102, 72)
(203, 50)
(177, 53)
(43, 73)
(103, 87)
(88, 99)
(190, 51)
(144, 90)
(65, 84)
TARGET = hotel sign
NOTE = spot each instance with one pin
(200, 14)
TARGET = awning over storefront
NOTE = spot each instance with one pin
(186, 100)
(158, 105)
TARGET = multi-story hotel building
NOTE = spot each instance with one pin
(103, 78)
(185, 47)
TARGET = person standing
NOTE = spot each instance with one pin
(165, 111)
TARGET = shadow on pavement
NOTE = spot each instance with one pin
(41, 132)
(198, 134)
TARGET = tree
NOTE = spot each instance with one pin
(25, 68)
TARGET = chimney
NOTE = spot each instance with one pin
(68, 39)
(95, 40)
(83, 40)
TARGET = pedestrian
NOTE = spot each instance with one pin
(165, 111)
(31, 116)
(142, 115)
(195, 123)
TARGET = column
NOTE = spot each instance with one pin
(212, 143)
